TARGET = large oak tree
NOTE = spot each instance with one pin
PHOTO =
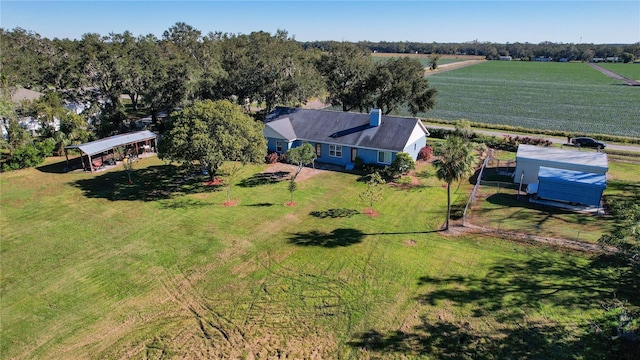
(209, 133)
(346, 69)
(401, 81)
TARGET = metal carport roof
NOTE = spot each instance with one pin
(102, 145)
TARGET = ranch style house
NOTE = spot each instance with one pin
(340, 138)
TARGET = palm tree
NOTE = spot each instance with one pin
(457, 160)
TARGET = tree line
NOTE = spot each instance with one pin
(492, 51)
(184, 65)
(257, 70)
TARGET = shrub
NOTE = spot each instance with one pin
(271, 158)
(29, 155)
(401, 164)
(425, 153)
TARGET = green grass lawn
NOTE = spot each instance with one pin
(557, 96)
(95, 267)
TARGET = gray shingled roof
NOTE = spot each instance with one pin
(344, 128)
(102, 145)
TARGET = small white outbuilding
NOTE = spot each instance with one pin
(530, 158)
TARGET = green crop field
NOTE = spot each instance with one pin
(630, 71)
(559, 96)
(95, 267)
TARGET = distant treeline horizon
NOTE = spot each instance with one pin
(493, 51)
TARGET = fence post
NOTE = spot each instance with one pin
(473, 192)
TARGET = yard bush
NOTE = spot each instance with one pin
(271, 158)
(425, 153)
(401, 165)
(29, 155)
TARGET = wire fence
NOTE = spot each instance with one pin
(497, 203)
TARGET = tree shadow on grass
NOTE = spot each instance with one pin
(505, 298)
(265, 178)
(461, 341)
(513, 285)
(149, 184)
(334, 213)
(336, 238)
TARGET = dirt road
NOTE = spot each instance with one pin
(451, 66)
(613, 75)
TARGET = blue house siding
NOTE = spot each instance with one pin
(271, 145)
(368, 156)
(325, 156)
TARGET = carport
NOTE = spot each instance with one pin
(139, 141)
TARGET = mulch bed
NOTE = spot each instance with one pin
(370, 212)
(215, 182)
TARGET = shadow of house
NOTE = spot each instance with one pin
(336, 238)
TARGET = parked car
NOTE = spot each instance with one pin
(588, 142)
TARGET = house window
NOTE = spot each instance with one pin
(335, 151)
(279, 146)
(384, 157)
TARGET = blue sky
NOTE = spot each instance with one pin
(531, 21)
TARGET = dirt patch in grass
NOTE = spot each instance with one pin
(370, 212)
(230, 203)
(410, 243)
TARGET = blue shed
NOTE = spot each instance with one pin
(570, 186)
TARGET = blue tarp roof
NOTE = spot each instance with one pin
(561, 175)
